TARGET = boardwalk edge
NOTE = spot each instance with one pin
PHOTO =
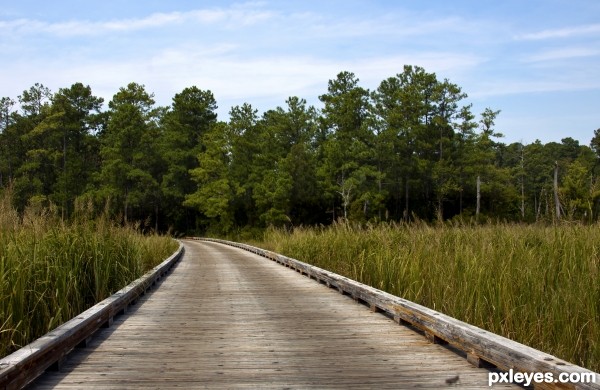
(481, 347)
(26, 364)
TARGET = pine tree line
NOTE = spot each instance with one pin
(412, 148)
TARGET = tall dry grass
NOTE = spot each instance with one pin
(50, 270)
(538, 285)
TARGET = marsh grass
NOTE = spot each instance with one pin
(538, 285)
(50, 270)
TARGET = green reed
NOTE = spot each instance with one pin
(538, 285)
(50, 270)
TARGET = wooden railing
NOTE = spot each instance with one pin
(482, 348)
(49, 351)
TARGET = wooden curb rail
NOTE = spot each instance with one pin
(49, 351)
(482, 348)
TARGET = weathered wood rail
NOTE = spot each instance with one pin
(226, 318)
(49, 351)
(482, 348)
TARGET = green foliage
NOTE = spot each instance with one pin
(347, 168)
(215, 188)
(284, 162)
(412, 148)
(577, 191)
(77, 118)
(184, 125)
(129, 154)
(50, 270)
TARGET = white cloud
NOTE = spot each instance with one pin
(390, 27)
(383, 26)
(515, 86)
(278, 75)
(235, 16)
(230, 76)
(562, 54)
(262, 53)
(566, 32)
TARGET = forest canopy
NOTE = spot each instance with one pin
(412, 148)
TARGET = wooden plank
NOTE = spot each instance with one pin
(226, 318)
(27, 363)
(478, 343)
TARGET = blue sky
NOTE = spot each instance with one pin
(536, 61)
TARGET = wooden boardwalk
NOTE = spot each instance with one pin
(225, 318)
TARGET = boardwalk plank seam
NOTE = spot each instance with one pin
(482, 348)
(229, 319)
(49, 351)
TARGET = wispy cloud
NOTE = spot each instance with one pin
(562, 54)
(516, 87)
(566, 32)
(391, 26)
(264, 52)
(240, 16)
(234, 78)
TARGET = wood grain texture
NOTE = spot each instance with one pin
(225, 318)
(483, 348)
(50, 350)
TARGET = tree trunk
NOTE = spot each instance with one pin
(65, 186)
(156, 219)
(346, 194)
(125, 205)
(522, 199)
(405, 213)
(460, 192)
(556, 200)
(522, 184)
(380, 187)
(536, 207)
(478, 198)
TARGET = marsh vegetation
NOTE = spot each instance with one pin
(536, 284)
(51, 270)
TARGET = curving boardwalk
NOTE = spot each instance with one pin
(225, 318)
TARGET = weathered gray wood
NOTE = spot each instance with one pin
(227, 319)
(476, 342)
(27, 363)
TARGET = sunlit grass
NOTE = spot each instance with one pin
(51, 271)
(538, 285)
